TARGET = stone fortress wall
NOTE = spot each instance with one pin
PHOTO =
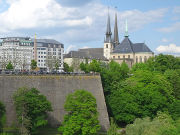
(55, 88)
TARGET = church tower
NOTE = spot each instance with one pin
(108, 44)
(116, 35)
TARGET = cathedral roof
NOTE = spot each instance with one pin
(126, 46)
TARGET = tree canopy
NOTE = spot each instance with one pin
(33, 64)
(143, 94)
(67, 68)
(9, 66)
(82, 115)
(31, 109)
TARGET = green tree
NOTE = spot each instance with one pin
(2, 116)
(82, 115)
(31, 109)
(163, 62)
(174, 79)
(67, 68)
(85, 67)
(161, 125)
(33, 64)
(94, 66)
(9, 66)
(143, 94)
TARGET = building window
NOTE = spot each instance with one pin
(123, 58)
(136, 59)
(118, 57)
(145, 58)
(106, 45)
(140, 58)
(129, 56)
(113, 57)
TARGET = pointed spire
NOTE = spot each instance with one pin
(108, 30)
(126, 31)
(116, 36)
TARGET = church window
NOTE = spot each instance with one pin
(136, 59)
(106, 45)
(140, 58)
(145, 58)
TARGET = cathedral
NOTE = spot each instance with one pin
(124, 51)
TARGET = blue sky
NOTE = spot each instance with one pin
(82, 23)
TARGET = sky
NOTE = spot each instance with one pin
(82, 23)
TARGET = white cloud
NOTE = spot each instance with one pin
(171, 48)
(71, 47)
(165, 40)
(176, 10)
(174, 27)
(72, 24)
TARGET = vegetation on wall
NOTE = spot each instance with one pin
(2, 116)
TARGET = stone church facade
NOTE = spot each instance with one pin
(126, 51)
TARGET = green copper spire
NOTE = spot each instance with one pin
(126, 31)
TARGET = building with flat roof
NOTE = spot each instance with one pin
(21, 50)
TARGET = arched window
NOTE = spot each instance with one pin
(136, 59)
(140, 58)
(113, 57)
(145, 58)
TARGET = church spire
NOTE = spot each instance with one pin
(108, 30)
(126, 31)
(116, 36)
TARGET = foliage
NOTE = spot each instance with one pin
(82, 117)
(143, 94)
(174, 109)
(113, 130)
(94, 66)
(161, 125)
(112, 75)
(67, 68)
(33, 64)
(2, 116)
(85, 67)
(9, 66)
(174, 78)
(31, 109)
(163, 62)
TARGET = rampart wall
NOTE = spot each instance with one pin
(55, 88)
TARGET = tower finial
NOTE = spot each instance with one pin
(108, 30)
(126, 31)
(116, 35)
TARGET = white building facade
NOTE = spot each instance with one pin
(20, 51)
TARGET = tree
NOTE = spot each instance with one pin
(33, 64)
(94, 66)
(67, 68)
(85, 67)
(9, 66)
(143, 94)
(31, 109)
(2, 116)
(161, 125)
(82, 115)
(174, 79)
